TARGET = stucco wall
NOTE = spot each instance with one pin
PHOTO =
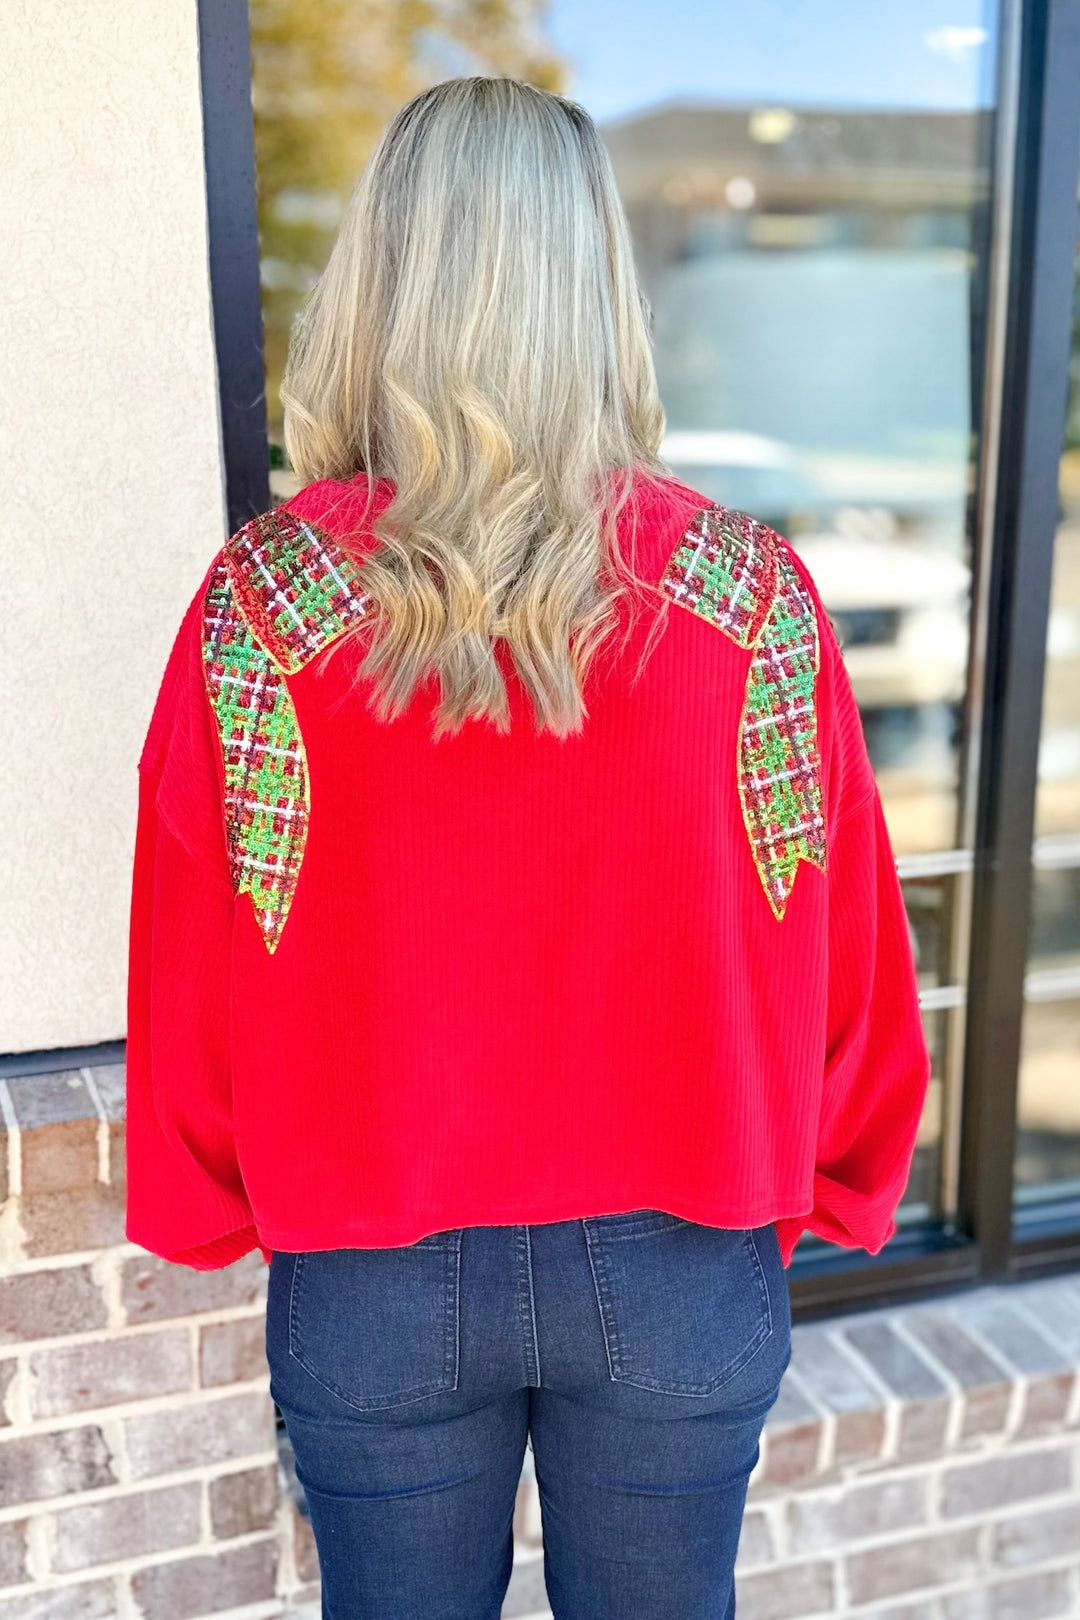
(112, 500)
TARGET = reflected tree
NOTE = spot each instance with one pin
(327, 76)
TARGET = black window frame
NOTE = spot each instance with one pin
(233, 235)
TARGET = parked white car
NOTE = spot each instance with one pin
(900, 606)
(900, 610)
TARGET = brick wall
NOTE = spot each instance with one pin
(139, 1473)
(921, 1464)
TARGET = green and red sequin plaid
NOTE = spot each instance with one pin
(735, 573)
(284, 589)
(295, 584)
(266, 786)
(281, 591)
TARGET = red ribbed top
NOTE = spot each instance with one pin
(382, 985)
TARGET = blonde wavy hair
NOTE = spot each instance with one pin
(478, 338)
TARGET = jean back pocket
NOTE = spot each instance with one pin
(684, 1307)
(378, 1327)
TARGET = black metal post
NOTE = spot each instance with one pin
(228, 136)
(1035, 385)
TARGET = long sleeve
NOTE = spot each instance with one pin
(877, 1064)
(186, 1200)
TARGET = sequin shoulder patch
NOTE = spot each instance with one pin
(724, 570)
(735, 573)
(296, 585)
(266, 780)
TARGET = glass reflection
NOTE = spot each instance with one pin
(812, 276)
(922, 1199)
(816, 272)
(807, 186)
(1048, 1148)
(931, 902)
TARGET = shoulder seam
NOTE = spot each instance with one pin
(799, 564)
(736, 573)
(722, 568)
(297, 588)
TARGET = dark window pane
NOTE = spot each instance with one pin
(1048, 1153)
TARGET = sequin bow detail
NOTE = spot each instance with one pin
(736, 574)
(281, 590)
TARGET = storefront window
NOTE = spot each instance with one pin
(808, 187)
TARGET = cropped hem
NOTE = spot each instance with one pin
(391, 1233)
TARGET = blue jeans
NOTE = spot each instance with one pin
(638, 1353)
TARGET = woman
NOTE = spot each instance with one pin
(519, 964)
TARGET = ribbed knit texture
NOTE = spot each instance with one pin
(523, 978)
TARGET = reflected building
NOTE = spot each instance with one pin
(817, 282)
